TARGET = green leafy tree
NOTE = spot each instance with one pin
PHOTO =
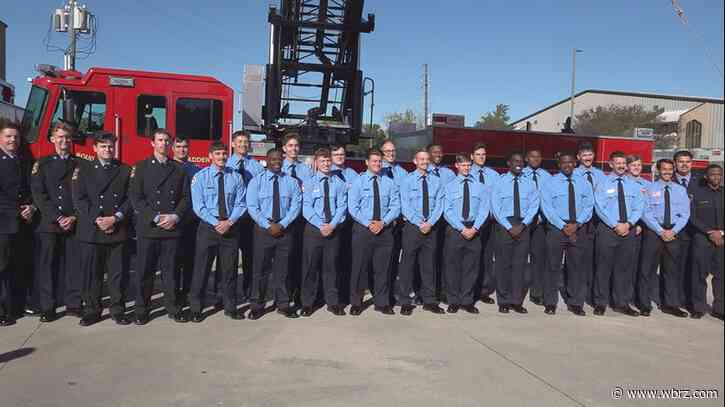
(408, 116)
(496, 119)
(616, 120)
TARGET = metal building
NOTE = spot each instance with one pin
(699, 117)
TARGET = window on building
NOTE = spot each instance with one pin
(150, 114)
(199, 119)
(693, 134)
(90, 111)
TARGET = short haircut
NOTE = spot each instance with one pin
(617, 154)
(432, 145)
(372, 152)
(511, 155)
(9, 124)
(104, 137)
(63, 126)
(478, 146)
(161, 131)
(420, 150)
(664, 161)
(713, 166)
(181, 139)
(217, 146)
(290, 136)
(386, 141)
(462, 158)
(682, 153)
(336, 147)
(563, 154)
(632, 158)
(322, 152)
(584, 147)
(531, 150)
(240, 133)
(274, 151)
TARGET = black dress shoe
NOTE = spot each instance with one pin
(470, 308)
(307, 311)
(235, 315)
(122, 319)
(141, 319)
(407, 310)
(179, 317)
(74, 312)
(434, 308)
(487, 300)
(519, 309)
(626, 310)
(536, 300)
(88, 320)
(576, 310)
(645, 312)
(48, 316)
(197, 317)
(6, 321)
(31, 312)
(697, 315)
(504, 309)
(674, 311)
(287, 312)
(453, 308)
(717, 315)
(336, 310)
(255, 314)
(599, 310)
(550, 310)
(356, 310)
(386, 310)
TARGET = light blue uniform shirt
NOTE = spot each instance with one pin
(555, 200)
(689, 178)
(606, 202)
(260, 198)
(205, 194)
(502, 200)
(346, 174)
(597, 174)
(360, 199)
(395, 172)
(480, 203)
(490, 176)
(541, 175)
(313, 206)
(252, 167)
(411, 198)
(444, 173)
(302, 170)
(654, 212)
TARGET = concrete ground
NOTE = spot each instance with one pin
(371, 360)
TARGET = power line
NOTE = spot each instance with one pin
(680, 12)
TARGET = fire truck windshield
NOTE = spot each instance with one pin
(34, 110)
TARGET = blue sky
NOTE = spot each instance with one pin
(480, 53)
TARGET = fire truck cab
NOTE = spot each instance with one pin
(130, 104)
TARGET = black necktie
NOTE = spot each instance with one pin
(572, 201)
(668, 209)
(481, 178)
(221, 197)
(437, 172)
(621, 201)
(389, 172)
(426, 203)
(683, 181)
(536, 180)
(376, 199)
(326, 208)
(589, 178)
(517, 199)
(293, 171)
(241, 169)
(339, 174)
(466, 211)
(276, 210)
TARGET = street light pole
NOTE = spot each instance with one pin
(574, 51)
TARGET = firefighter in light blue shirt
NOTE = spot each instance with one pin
(567, 201)
(514, 204)
(374, 203)
(466, 209)
(666, 213)
(324, 207)
(217, 195)
(274, 200)
(619, 205)
(436, 166)
(421, 197)
(634, 172)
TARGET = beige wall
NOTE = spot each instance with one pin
(711, 117)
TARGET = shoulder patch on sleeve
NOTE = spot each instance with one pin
(36, 166)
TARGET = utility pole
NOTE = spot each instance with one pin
(425, 95)
(574, 51)
(74, 20)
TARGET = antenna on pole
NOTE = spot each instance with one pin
(426, 102)
(75, 20)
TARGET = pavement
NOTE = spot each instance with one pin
(372, 360)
